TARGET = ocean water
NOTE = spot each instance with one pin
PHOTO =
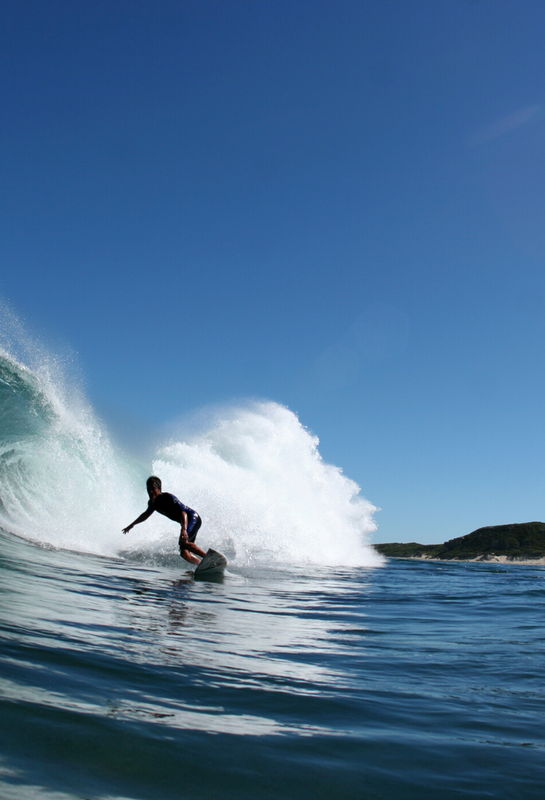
(124, 680)
(314, 669)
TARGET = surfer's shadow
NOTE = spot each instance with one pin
(182, 613)
(178, 613)
(169, 605)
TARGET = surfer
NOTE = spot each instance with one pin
(169, 505)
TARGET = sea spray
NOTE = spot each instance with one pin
(264, 492)
(254, 473)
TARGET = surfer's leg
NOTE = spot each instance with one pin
(188, 547)
(194, 548)
(187, 556)
(193, 527)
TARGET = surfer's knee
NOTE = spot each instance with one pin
(187, 556)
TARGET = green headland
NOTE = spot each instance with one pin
(518, 542)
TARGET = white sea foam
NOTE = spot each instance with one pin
(254, 473)
(264, 492)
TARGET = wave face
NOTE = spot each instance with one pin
(255, 475)
(61, 483)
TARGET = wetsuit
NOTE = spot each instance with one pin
(169, 505)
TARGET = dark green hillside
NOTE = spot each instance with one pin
(408, 550)
(521, 540)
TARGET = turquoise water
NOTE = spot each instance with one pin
(121, 679)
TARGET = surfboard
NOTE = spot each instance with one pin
(213, 563)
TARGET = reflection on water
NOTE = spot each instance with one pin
(328, 680)
(270, 629)
(255, 629)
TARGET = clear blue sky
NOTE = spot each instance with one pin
(339, 206)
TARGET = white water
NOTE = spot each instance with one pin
(254, 474)
(258, 481)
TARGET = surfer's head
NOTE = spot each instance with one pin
(152, 483)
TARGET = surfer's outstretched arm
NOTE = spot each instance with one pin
(147, 513)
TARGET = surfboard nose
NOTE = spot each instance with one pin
(213, 562)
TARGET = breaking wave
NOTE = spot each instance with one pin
(254, 473)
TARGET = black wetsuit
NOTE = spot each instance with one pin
(169, 505)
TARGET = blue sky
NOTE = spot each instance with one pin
(338, 206)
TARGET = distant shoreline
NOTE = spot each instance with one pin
(484, 558)
(516, 543)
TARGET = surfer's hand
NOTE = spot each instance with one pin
(126, 530)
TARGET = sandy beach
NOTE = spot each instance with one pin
(489, 559)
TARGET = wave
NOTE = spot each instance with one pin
(259, 482)
(61, 482)
(254, 474)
